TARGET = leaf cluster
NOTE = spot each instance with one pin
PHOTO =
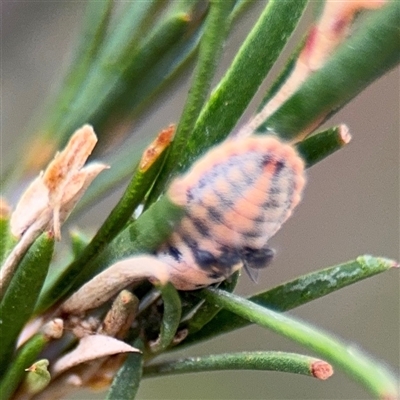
(126, 58)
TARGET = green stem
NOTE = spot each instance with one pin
(127, 380)
(19, 299)
(322, 144)
(7, 241)
(254, 360)
(366, 55)
(374, 376)
(171, 318)
(295, 293)
(116, 55)
(252, 63)
(139, 237)
(215, 31)
(94, 28)
(25, 357)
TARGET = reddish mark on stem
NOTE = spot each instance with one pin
(321, 370)
(156, 148)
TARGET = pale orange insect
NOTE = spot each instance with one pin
(237, 197)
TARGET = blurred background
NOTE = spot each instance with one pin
(350, 208)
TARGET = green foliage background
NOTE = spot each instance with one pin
(350, 208)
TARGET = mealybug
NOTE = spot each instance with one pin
(236, 198)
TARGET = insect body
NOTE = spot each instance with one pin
(236, 198)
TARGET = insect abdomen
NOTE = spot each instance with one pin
(236, 197)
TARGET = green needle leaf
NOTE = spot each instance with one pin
(207, 311)
(373, 375)
(256, 360)
(251, 65)
(215, 31)
(21, 295)
(79, 241)
(6, 238)
(296, 293)
(102, 75)
(171, 318)
(369, 53)
(25, 357)
(139, 237)
(94, 28)
(322, 144)
(127, 380)
(106, 82)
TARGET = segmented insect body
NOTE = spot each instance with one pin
(236, 198)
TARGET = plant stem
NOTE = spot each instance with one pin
(255, 360)
(374, 376)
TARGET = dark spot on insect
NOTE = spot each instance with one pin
(202, 183)
(257, 258)
(278, 167)
(192, 244)
(189, 195)
(174, 253)
(200, 225)
(203, 258)
(274, 190)
(228, 258)
(215, 215)
(260, 218)
(271, 203)
(252, 234)
(214, 275)
(266, 160)
(225, 201)
(216, 266)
